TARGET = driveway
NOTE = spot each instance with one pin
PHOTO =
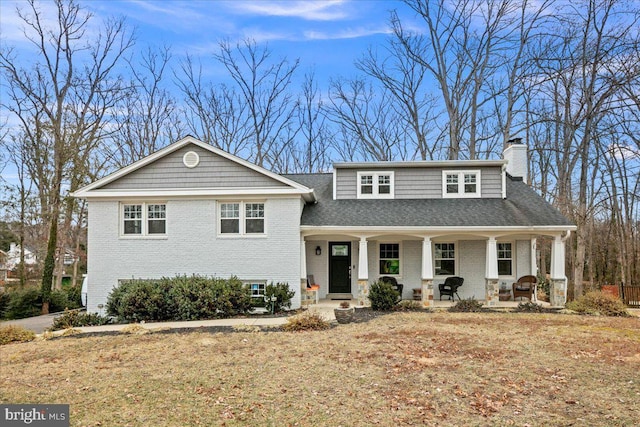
(37, 324)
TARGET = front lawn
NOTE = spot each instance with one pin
(400, 369)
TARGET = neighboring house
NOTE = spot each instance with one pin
(13, 257)
(191, 208)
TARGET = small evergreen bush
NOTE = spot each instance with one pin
(282, 293)
(307, 321)
(23, 302)
(469, 305)
(382, 296)
(4, 302)
(530, 307)
(75, 318)
(598, 303)
(14, 333)
(63, 299)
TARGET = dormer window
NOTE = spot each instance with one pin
(457, 184)
(375, 185)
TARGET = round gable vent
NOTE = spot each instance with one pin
(191, 159)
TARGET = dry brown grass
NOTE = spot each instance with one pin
(401, 369)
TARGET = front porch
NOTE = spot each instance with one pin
(346, 264)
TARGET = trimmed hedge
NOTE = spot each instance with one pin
(179, 298)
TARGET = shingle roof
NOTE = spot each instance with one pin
(523, 207)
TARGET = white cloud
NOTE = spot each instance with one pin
(347, 33)
(318, 10)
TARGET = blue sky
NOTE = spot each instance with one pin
(327, 35)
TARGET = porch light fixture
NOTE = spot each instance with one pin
(318, 250)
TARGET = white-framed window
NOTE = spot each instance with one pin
(456, 184)
(375, 185)
(505, 259)
(241, 218)
(445, 259)
(257, 288)
(389, 259)
(143, 219)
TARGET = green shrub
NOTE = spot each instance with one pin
(283, 296)
(76, 318)
(179, 298)
(63, 299)
(306, 321)
(530, 307)
(14, 333)
(469, 305)
(598, 303)
(23, 302)
(4, 302)
(137, 300)
(382, 296)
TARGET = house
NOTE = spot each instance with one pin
(13, 257)
(191, 208)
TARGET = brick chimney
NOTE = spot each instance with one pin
(516, 156)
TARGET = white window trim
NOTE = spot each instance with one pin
(513, 259)
(456, 249)
(145, 221)
(398, 276)
(461, 194)
(255, 282)
(375, 194)
(241, 232)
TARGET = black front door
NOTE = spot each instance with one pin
(340, 267)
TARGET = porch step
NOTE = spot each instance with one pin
(340, 296)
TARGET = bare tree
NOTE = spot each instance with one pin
(311, 153)
(582, 84)
(404, 79)
(459, 56)
(62, 101)
(263, 86)
(148, 116)
(215, 114)
(370, 130)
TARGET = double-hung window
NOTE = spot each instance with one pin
(241, 218)
(460, 184)
(445, 259)
(505, 259)
(144, 219)
(375, 185)
(389, 258)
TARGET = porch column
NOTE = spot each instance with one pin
(303, 262)
(534, 258)
(491, 273)
(427, 273)
(558, 286)
(363, 272)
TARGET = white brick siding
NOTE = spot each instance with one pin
(192, 247)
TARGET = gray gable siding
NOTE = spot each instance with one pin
(213, 171)
(417, 183)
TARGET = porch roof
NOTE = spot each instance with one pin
(523, 207)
